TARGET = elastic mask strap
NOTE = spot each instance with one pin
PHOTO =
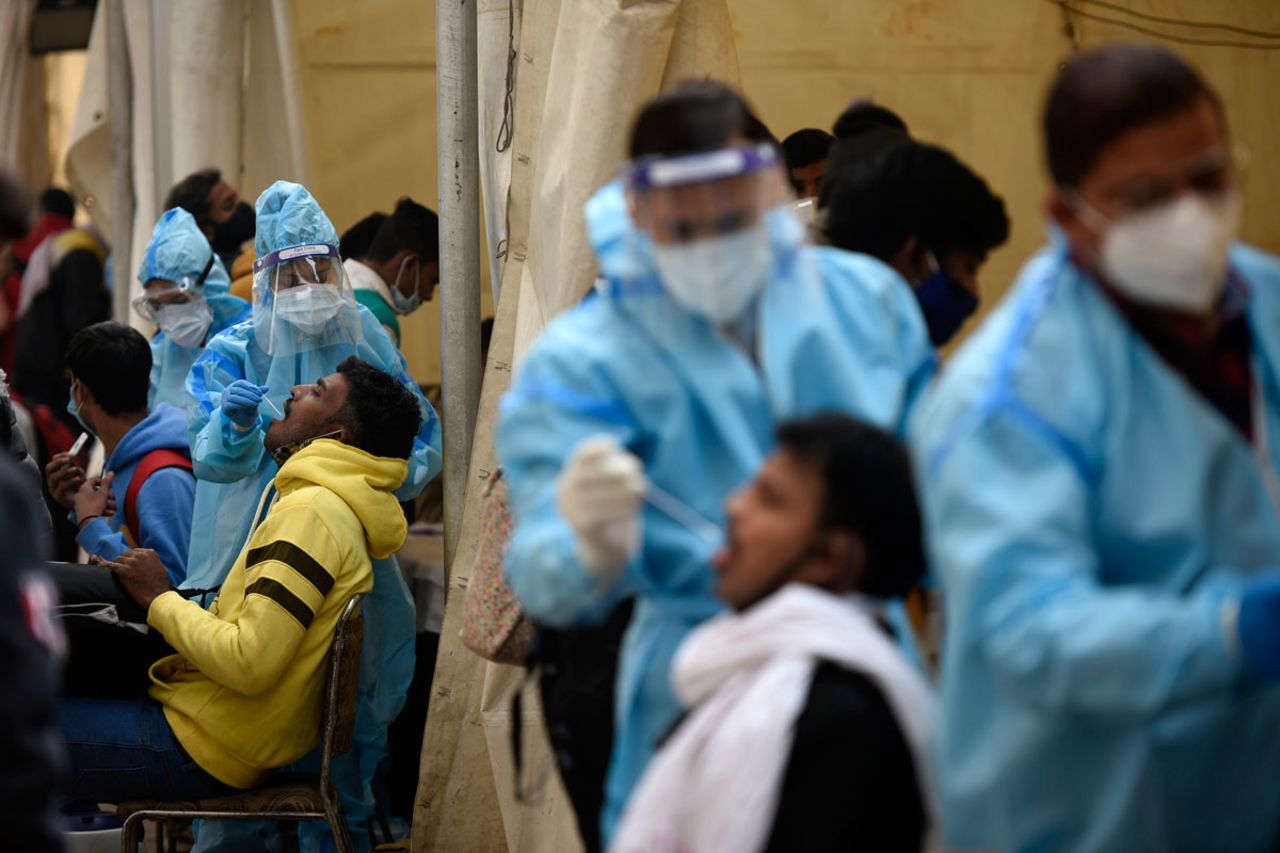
(284, 453)
(1096, 221)
(205, 272)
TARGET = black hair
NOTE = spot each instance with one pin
(863, 115)
(59, 201)
(864, 131)
(410, 226)
(114, 362)
(913, 190)
(192, 195)
(806, 147)
(355, 241)
(869, 491)
(1100, 95)
(694, 116)
(381, 415)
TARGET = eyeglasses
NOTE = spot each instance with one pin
(176, 293)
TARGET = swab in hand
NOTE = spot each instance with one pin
(683, 514)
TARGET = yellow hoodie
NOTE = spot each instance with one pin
(243, 694)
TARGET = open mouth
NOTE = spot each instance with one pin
(723, 559)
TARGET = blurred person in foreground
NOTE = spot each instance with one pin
(1101, 502)
(714, 321)
(808, 729)
(29, 638)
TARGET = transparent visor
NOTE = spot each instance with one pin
(302, 300)
(707, 195)
(160, 293)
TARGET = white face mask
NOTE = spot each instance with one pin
(400, 303)
(308, 307)
(1175, 255)
(186, 323)
(717, 277)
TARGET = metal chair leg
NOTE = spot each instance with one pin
(129, 833)
(337, 822)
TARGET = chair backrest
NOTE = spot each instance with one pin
(338, 718)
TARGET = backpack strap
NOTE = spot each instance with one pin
(154, 461)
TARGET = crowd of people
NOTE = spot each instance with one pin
(790, 579)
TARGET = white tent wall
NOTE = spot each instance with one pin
(206, 62)
(24, 141)
(215, 97)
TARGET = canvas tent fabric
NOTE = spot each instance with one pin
(584, 67)
(24, 138)
(168, 145)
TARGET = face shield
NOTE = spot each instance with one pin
(302, 301)
(710, 218)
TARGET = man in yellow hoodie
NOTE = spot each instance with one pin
(242, 696)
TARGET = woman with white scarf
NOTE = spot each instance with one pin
(808, 729)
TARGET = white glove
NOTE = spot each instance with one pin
(600, 492)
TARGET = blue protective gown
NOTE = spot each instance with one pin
(1089, 514)
(178, 250)
(835, 331)
(234, 471)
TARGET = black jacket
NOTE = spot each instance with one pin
(850, 783)
(74, 299)
(29, 749)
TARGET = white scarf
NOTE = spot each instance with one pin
(715, 785)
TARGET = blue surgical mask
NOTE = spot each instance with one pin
(945, 302)
(73, 409)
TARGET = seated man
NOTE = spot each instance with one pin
(242, 696)
(144, 498)
(110, 367)
(809, 728)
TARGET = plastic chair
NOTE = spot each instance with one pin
(295, 798)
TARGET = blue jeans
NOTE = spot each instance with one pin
(124, 750)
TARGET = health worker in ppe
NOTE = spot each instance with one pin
(1102, 496)
(713, 321)
(185, 294)
(304, 323)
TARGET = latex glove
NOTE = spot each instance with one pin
(240, 403)
(600, 492)
(1258, 623)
